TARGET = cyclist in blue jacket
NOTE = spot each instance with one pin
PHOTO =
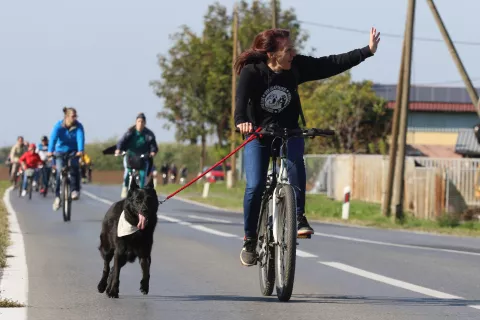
(67, 136)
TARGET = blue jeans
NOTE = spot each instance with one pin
(24, 184)
(74, 174)
(256, 161)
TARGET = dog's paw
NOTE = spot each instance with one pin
(102, 285)
(112, 292)
(144, 287)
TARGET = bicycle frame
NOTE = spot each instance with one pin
(280, 177)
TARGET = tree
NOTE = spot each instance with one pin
(258, 17)
(195, 74)
(352, 109)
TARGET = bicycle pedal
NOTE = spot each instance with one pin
(304, 236)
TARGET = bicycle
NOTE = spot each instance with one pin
(135, 163)
(277, 223)
(65, 180)
(30, 175)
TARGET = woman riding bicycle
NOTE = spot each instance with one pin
(136, 141)
(42, 150)
(67, 137)
(267, 94)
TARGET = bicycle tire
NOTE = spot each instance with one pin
(266, 270)
(30, 187)
(66, 199)
(287, 235)
(20, 185)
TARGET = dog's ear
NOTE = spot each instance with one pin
(150, 184)
(133, 184)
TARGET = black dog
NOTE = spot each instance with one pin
(140, 210)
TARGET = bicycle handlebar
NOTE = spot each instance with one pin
(142, 155)
(288, 133)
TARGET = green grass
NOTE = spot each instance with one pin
(4, 243)
(321, 208)
(7, 303)
(4, 236)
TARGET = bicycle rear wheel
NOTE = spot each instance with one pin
(66, 199)
(286, 249)
(266, 253)
(19, 183)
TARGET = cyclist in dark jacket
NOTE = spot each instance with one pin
(136, 141)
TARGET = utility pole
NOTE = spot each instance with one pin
(387, 197)
(400, 172)
(274, 14)
(234, 91)
(466, 79)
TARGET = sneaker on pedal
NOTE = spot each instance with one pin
(248, 255)
(124, 192)
(56, 204)
(303, 226)
(75, 195)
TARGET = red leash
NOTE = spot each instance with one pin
(252, 137)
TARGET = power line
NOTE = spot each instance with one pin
(445, 82)
(390, 35)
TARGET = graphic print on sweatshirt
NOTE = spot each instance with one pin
(275, 99)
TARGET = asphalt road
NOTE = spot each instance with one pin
(342, 272)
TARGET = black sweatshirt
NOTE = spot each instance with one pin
(265, 97)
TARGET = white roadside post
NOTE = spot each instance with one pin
(206, 188)
(346, 203)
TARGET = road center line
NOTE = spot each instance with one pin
(209, 219)
(394, 282)
(395, 244)
(300, 253)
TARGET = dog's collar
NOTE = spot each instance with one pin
(124, 228)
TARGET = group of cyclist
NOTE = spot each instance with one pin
(269, 73)
(67, 137)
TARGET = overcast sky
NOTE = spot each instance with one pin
(99, 56)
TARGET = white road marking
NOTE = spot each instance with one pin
(91, 195)
(394, 282)
(209, 219)
(213, 231)
(395, 244)
(305, 254)
(14, 284)
(300, 253)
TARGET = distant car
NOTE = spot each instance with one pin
(216, 174)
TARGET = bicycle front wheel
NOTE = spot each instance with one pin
(266, 253)
(286, 248)
(30, 187)
(66, 199)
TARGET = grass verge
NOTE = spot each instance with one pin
(321, 208)
(4, 236)
(4, 243)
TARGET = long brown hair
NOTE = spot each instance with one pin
(266, 41)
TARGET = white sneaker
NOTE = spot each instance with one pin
(34, 183)
(124, 192)
(56, 204)
(75, 195)
(24, 193)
